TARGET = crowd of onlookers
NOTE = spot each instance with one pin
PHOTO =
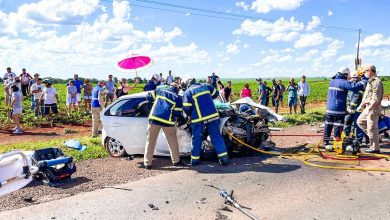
(276, 91)
(44, 97)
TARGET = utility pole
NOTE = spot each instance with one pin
(358, 61)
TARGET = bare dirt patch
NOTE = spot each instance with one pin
(44, 133)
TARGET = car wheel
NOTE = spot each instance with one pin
(115, 148)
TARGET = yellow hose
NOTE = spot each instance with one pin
(311, 152)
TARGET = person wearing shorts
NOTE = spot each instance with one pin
(87, 95)
(292, 90)
(36, 90)
(71, 96)
(50, 99)
(79, 84)
(16, 105)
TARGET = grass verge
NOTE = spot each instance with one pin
(311, 116)
(94, 148)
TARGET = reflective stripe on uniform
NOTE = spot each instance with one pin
(178, 109)
(167, 99)
(334, 123)
(205, 118)
(336, 112)
(383, 129)
(222, 154)
(201, 93)
(153, 94)
(195, 157)
(187, 104)
(214, 91)
(353, 104)
(161, 120)
(337, 89)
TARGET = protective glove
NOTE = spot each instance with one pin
(359, 109)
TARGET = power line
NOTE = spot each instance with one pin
(235, 15)
(223, 15)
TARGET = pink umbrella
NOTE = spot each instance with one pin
(135, 63)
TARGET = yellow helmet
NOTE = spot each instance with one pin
(360, 72)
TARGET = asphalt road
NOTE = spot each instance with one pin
(274, 188)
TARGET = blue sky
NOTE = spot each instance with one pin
(274, 38)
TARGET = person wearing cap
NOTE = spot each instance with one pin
(36, 91)
(336, 107)
(167, 107)
(32, 82)
(354, 99)
(199, 106)
(7, 74)
(262, 92)
(371, 103)
(303, 92)
(49, 97)
(25, 78)
(97, 105)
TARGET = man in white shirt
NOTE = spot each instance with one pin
(7, 76)
(36, 90)
(50, 97)
(169, 78)
(303, 92)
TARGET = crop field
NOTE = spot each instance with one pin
(319, 87)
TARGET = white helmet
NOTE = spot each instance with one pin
(344, 70)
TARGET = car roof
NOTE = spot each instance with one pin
(135, 95)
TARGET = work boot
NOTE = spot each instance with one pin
(372, 151)
(329, 148)
(146, 167)
(349, 149)
(224, 161)
(195, 163)
(179, 164)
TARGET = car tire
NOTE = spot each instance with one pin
(115, 148)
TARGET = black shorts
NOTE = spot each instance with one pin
(47, 107)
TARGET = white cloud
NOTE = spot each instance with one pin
(330, 13)
(232, 49)
(265, 6)
(242, 5)
(246, 46)
(121, 10)
(307, 56)
(58, 11)
(332, 49)
(315, 22)
(280, 30)
(375, 40)
(346, 58)
(158, 34)
(309, 40)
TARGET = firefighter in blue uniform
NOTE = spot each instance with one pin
(167, 107)
(199, 106)
(336, 108)
(97, 104)
(353, 102)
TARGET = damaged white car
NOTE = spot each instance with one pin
(125, 122)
